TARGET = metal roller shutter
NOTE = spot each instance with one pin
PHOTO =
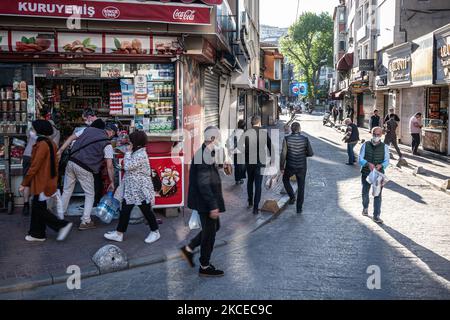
(211, 98)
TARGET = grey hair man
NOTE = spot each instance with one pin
(293, 161)
(205, 196)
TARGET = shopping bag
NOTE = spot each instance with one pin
(378, 181)
(194, 222)
(272, 181)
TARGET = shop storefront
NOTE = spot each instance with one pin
(439, 107)
(141, 81)
(399, 80)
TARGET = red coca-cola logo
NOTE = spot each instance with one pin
(188, 15)
(111, 12)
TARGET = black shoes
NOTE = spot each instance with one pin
(26, 210)
(299, 211)
(211, 271)
(250, 204)
(255, 212)
(292, 201)
(350, 164)
(188, 256)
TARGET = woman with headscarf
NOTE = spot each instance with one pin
(136, 189)
(42, 178)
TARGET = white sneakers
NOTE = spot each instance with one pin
(32, 239)
(64, 232)
(114, 236)
(153, 237)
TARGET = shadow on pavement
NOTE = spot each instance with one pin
(435, 262)
(393, 186)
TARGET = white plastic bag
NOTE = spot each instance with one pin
(272, 181)
(194, 222)
(378, 181)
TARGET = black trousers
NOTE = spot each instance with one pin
(300, 174)
(254, 178)
(98, 188)
(125, 214)
(415, 142)
(392, 140)
(41, 218)
(206, 238)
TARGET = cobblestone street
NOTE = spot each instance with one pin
(322, 254)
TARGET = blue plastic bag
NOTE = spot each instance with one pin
(108, 208)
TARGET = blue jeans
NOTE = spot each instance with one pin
(351, 152)
(366, 198)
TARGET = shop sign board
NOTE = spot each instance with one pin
(366, 65)
(422, 60)
(399, 70)
(179, 13)
(442, 56)
(399, 64)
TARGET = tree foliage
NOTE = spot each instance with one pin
(309, 46)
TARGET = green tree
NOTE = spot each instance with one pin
(309, 45)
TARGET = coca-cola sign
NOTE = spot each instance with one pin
(186, 15)
(184, 12)
(111, 13)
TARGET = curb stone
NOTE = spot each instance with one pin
(92, 271)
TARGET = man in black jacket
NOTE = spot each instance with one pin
(351, 139)
(257, 150)
(205, 196)
(296, 148)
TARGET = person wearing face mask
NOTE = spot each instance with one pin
(86, 159)
(205, 195)
(41, 178)
(374, 155)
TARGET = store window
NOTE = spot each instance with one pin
(137, 96)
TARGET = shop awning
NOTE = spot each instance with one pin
(338, 95)
(345, 63)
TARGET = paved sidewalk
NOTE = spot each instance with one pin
(26, 265)
(436, 168)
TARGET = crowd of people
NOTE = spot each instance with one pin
(251, 152)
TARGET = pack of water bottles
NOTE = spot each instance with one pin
(108, 208)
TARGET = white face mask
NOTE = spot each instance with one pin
(376, 139)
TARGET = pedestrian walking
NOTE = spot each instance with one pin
(233, 150)
(293, 161)
(341, 114)
(136, 189)
(42, 179)
(335, 113)
(31, 141)
(350, 112)
(375, 120)
(415, 127)
(86, 158)
(391, 113)
(257, 147)
(351, 138)
(391, 135)
(374, 155)
(205, 196)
